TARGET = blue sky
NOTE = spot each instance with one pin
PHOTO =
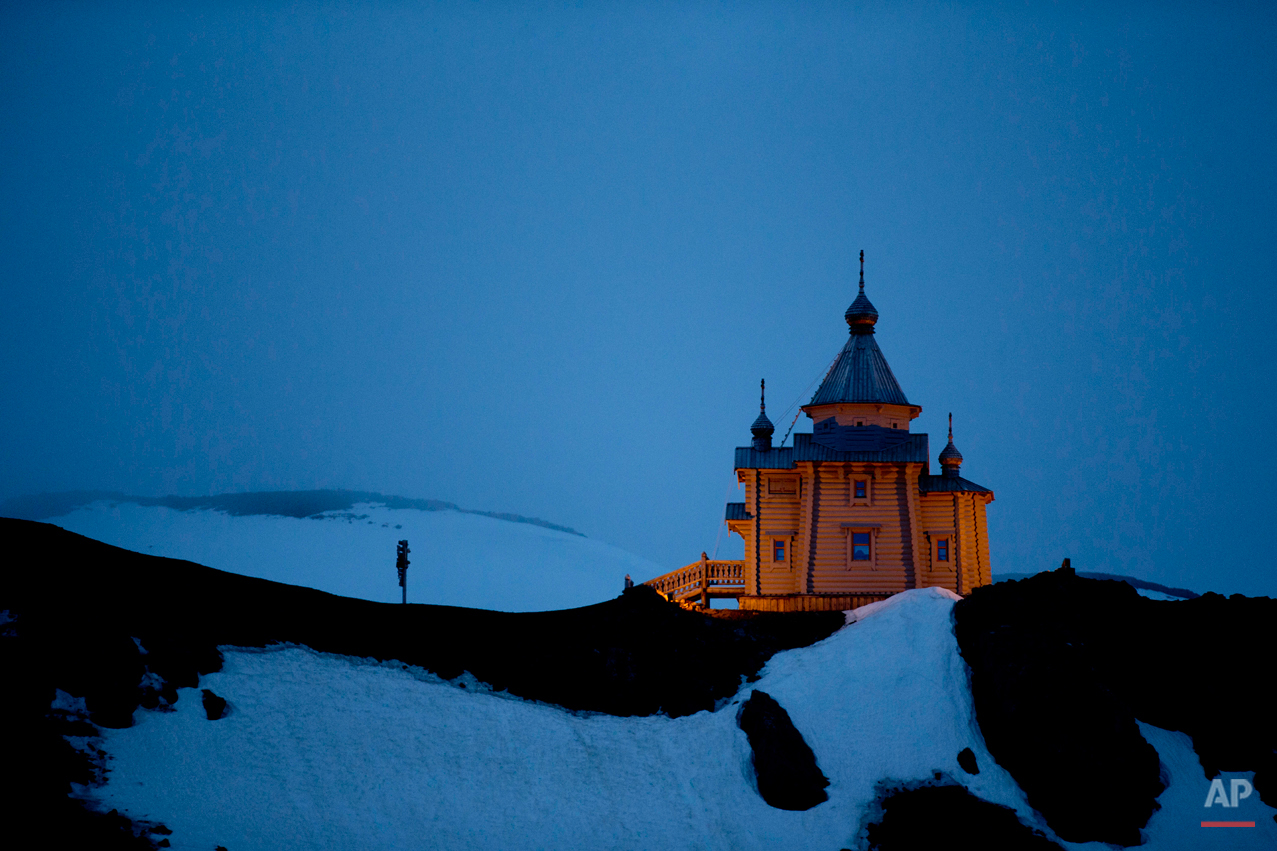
(536, 258)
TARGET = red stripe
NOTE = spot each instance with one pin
(1228, 824)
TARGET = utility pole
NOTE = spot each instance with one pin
(401, 562)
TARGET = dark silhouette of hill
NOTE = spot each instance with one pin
(1062, 666)
(1142, 584)
(279, 503)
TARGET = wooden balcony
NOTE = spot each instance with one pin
(699, 582)
(702, 580)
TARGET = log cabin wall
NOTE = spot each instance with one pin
(778, 524)
(939, 535)
(879, 515)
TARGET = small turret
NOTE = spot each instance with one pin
(762, 428)
(950, 457)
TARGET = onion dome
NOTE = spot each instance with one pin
(950, 457)
(762, 429)
(862, 315)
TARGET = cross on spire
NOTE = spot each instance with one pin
(762, 394)
(862, 270)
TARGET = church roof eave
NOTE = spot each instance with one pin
(911, 451)
(950, 484)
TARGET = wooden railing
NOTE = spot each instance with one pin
(704, 579)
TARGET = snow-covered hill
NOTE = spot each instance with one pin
(321, 751)
(394, 758)
(212, 709)
(458, 558)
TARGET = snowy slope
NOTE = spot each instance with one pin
(331, 752)
(458, 559)
(321, 751)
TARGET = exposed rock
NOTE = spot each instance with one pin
(784, 766)
(214, 706)
(935, 817)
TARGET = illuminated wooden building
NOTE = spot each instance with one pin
(850, 513)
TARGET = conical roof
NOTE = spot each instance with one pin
(860, 374)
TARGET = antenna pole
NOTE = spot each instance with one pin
(401, 562)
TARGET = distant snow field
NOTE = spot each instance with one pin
(457, 559)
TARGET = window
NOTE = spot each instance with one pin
(860, 422)
(862, 489)
(786, 485)
(942, 549)
(862, 545)
(893, 425)
(778, 550)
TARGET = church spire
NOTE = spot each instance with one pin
(862, 315)
(762, 429)
(950, 457)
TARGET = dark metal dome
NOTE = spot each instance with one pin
(950, 457)
(950, 454)
(762, 428)
(862, 315)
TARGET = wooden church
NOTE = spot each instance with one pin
(850, 513)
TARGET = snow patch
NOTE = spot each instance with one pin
(865, 611)
(73, 706)
(1177, 825)
(1156, 595)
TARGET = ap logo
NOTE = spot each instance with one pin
(1241, 789)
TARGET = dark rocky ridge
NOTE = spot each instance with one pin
(1135, 582)
(102, 616)
(1062, 666)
